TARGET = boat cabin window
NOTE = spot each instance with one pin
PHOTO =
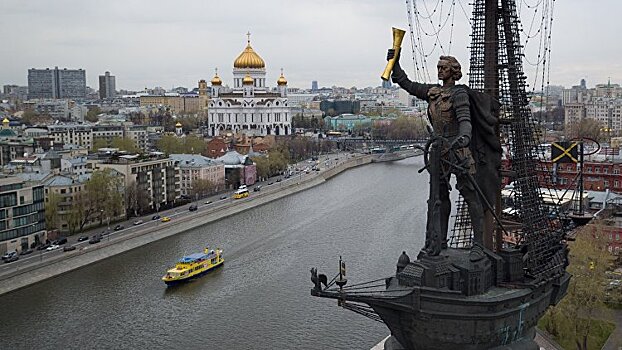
(214, 261)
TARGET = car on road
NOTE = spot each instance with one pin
(9, 255)
(270, 183)
(257, 188)
(26, 252)
(155, 217)
(60, 241)
(95, 239)
(138, 222)
(165, 219)
(223, 197)
(11, 259)
(69, 248)
(83, 238)
(119, 228)
(43, 246)
(208, 202)
(52, 247)
(193, 207)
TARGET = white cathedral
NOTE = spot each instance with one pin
(250, 107)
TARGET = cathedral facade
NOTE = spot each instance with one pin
(250, 107)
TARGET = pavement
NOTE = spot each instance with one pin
(42, 265)
(615, 339)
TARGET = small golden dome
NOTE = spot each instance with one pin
(178, 125)
(282, 80)
(247, 80)
(249, 58)
(216, 80)
(6, 121)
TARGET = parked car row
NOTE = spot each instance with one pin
(10, 257)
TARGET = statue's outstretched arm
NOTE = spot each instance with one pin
(400, 78)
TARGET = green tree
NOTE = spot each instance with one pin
(78, 214)
(405, 128)
(201, 188)
(572, 321)
(102, 198)
(194, 145)
(125, 144)
(136, 202)
(99, 143)
(189, 121)
(170, 144)
(51, 211)
(33, 118)
(92, 114)
(262, 165)
(29, 117)
(278, 161)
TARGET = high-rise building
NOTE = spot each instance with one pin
(314, 86)
(106, 86)
(22, 222)
(56, 83)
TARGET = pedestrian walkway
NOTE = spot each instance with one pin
(615, 339)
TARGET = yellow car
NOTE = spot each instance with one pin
(166, 219)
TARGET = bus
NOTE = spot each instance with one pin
(241, 193)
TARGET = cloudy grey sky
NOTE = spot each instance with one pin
(147, 43)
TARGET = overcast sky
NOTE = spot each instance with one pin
(147, 43)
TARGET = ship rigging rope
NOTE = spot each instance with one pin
(363, 310)
(423, 25)
(434, 18)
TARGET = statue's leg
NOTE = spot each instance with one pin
(445, 211)
(476, 209)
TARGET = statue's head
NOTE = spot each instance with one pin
(448, 66)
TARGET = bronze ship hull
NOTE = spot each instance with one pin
(429, 318)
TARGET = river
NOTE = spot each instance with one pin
(260, 299)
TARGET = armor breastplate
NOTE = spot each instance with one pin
(441, 112)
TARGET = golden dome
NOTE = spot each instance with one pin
(282, 80)
(247, 80)
(6, 121)
(249, 58)
(178, 125)
(216, 80)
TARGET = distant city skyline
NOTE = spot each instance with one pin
(334, 42)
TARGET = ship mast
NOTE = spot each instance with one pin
(491, 87)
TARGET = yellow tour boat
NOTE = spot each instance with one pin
(194, 265)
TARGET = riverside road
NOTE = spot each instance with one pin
(260, 299)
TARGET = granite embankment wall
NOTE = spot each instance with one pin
(37, 271)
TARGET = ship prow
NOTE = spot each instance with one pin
(456, 300)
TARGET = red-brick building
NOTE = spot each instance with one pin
(216, 147)
(597, 176)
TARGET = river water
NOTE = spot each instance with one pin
(260, 299)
